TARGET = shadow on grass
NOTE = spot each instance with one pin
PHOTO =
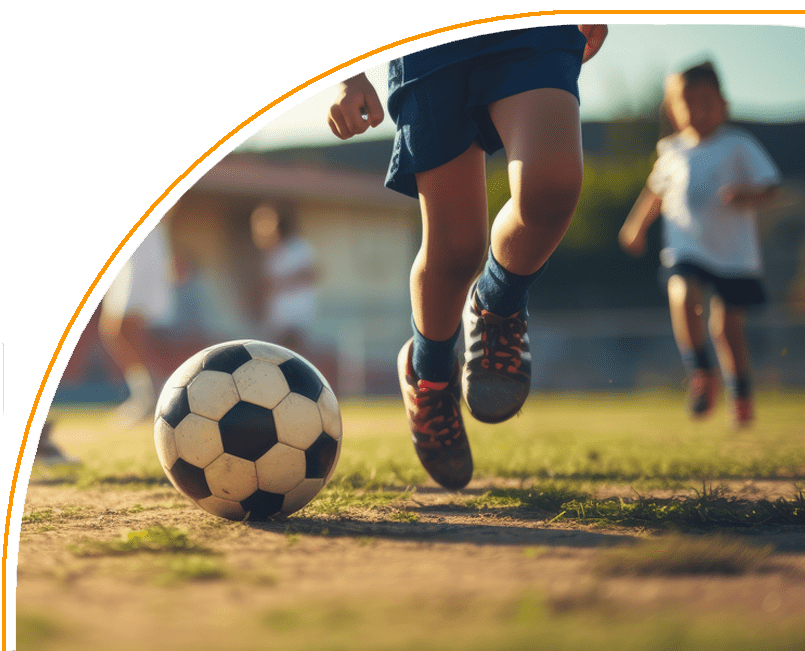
(83, 477)
(480, 532)
(478, 516)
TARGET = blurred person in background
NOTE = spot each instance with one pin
(288, 284)
(140, 298)
(709, 181)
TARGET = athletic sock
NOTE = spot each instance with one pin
(739, 387)
(502, 292)
(697, 360)
(433, 361)
(140, 385)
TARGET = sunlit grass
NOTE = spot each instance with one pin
(561, 449)
(153, 540)
(527, 621)
(678, 555)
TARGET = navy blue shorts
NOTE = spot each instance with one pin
(442, 114)
(738, 291)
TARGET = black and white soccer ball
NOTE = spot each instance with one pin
(248, 430)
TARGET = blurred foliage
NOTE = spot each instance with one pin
(589, 267)
(609, 191)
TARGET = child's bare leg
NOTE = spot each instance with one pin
(685, 302)
(454, 238)
(454, 235)
(541, 132)
(125, 340)
(687, 322)
(727, 328)
(727, 331)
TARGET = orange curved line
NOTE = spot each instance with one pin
(281, 98)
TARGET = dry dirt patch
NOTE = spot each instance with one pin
(445, 555)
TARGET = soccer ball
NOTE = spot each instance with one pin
(248, 430)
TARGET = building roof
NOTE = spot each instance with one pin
(256, 175)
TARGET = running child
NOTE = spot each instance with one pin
(708, 183)
(453, 104)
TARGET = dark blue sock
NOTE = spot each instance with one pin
(739, 387)
(696, 360)
(433, 361)
(500, 291)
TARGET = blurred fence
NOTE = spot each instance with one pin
(598, 318)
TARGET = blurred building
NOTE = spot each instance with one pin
(364, 237)
(591, 327)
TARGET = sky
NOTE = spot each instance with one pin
(762, 70)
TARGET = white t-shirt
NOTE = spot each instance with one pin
(697, 226)
(144, 285)
(291, 306)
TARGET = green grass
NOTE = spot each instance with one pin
(684, 555)
(566, 460)
(153, 540)
(643, 438)
(562, 449)
(524, 622)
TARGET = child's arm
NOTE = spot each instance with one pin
(632, 236)
(595, 39)
(747, 196)
(356, 108)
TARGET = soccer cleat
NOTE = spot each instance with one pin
(50, 454)
(497, 362)
(702, 393)
(742, 412)
(437, 429)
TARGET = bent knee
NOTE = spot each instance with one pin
(550, 191)
(458, 259)
(683, 291)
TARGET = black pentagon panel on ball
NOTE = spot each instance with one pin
(175, 408)
(262, 505)
(320, 457)
(301, 378)
(228, 359)
(191, 479)
(248, 431)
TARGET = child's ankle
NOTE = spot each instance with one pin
(433, 361)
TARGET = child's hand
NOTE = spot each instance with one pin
(356, 108)
(595, 39)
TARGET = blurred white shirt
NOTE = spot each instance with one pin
(697, 226)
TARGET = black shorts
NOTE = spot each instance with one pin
(735, 291)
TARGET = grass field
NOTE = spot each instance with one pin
(593, 521)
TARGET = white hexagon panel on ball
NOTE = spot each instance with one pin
(261, 383)
(297, 421)
(198, 440)
(165, 441)
(231, 478)
(301, 495)
(280, 469)
(211, 394)
(330, 413)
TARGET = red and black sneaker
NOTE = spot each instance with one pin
(437, 429)
(702, 393)
(497, 362)
(742, 412)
